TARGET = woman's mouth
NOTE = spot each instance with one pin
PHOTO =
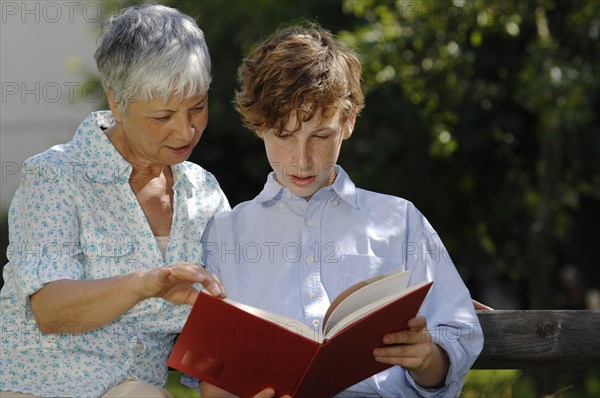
(180, 150)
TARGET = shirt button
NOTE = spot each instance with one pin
(336, 202)
(315, 323)
(288, 195)
(310, 260)
(310, 223)
(311, 295)
(280, 205)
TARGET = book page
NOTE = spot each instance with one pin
(364, 293)
(335, 327)
(286, 322)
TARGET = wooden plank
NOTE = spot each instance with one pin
(539, 339)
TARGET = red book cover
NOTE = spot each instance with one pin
(243, 353)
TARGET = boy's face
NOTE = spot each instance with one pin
(304, 160)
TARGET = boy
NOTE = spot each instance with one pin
(311, 233)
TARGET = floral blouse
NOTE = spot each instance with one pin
(75, 217)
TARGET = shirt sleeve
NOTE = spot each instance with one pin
(44, 240)
(210, 248)
(448, 309)
(224, 203)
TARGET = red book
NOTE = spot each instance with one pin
(242, 349)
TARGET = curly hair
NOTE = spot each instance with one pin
(302, 69)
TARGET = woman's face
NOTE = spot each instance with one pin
(157, 133)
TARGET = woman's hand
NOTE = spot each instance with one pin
(175, 283)
(77, 306)
(414, 350)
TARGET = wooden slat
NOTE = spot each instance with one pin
(540, 339)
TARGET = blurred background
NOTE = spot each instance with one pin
(485, 114)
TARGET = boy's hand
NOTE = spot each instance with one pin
(269, 393)
(210, 391)
(414, 350)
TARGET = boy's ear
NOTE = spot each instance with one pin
(349, 125)
(113, 106)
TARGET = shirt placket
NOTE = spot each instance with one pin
(313, 293)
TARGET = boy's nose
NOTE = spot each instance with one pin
(303, 157)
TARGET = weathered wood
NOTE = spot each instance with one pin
(539, 339)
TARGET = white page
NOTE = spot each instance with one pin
(391, 283)
(334, 328)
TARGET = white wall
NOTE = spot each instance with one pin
(46, 49)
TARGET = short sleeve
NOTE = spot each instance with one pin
(44, 241)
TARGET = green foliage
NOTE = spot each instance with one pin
(488, 114)
(496, 383)
(177, 389)
(511, 383)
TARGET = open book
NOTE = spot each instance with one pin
(243, 349)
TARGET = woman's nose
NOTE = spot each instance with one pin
(183, 128)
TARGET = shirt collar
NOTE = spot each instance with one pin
(272, 189)
(183, 174)
(104, 163)
(343, 187)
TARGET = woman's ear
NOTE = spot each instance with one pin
(113, 106)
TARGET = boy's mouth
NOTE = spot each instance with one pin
(302, 181)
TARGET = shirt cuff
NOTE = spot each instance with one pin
(454, 378)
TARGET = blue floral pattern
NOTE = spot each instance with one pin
(75, 217)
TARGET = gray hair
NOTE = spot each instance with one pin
(152, 51)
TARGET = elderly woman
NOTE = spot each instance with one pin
(105, 230)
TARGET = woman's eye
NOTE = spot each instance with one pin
(163, 118)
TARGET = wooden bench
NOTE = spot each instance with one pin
(554, 339)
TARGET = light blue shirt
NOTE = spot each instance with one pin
(75, 217)
(284, 254)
